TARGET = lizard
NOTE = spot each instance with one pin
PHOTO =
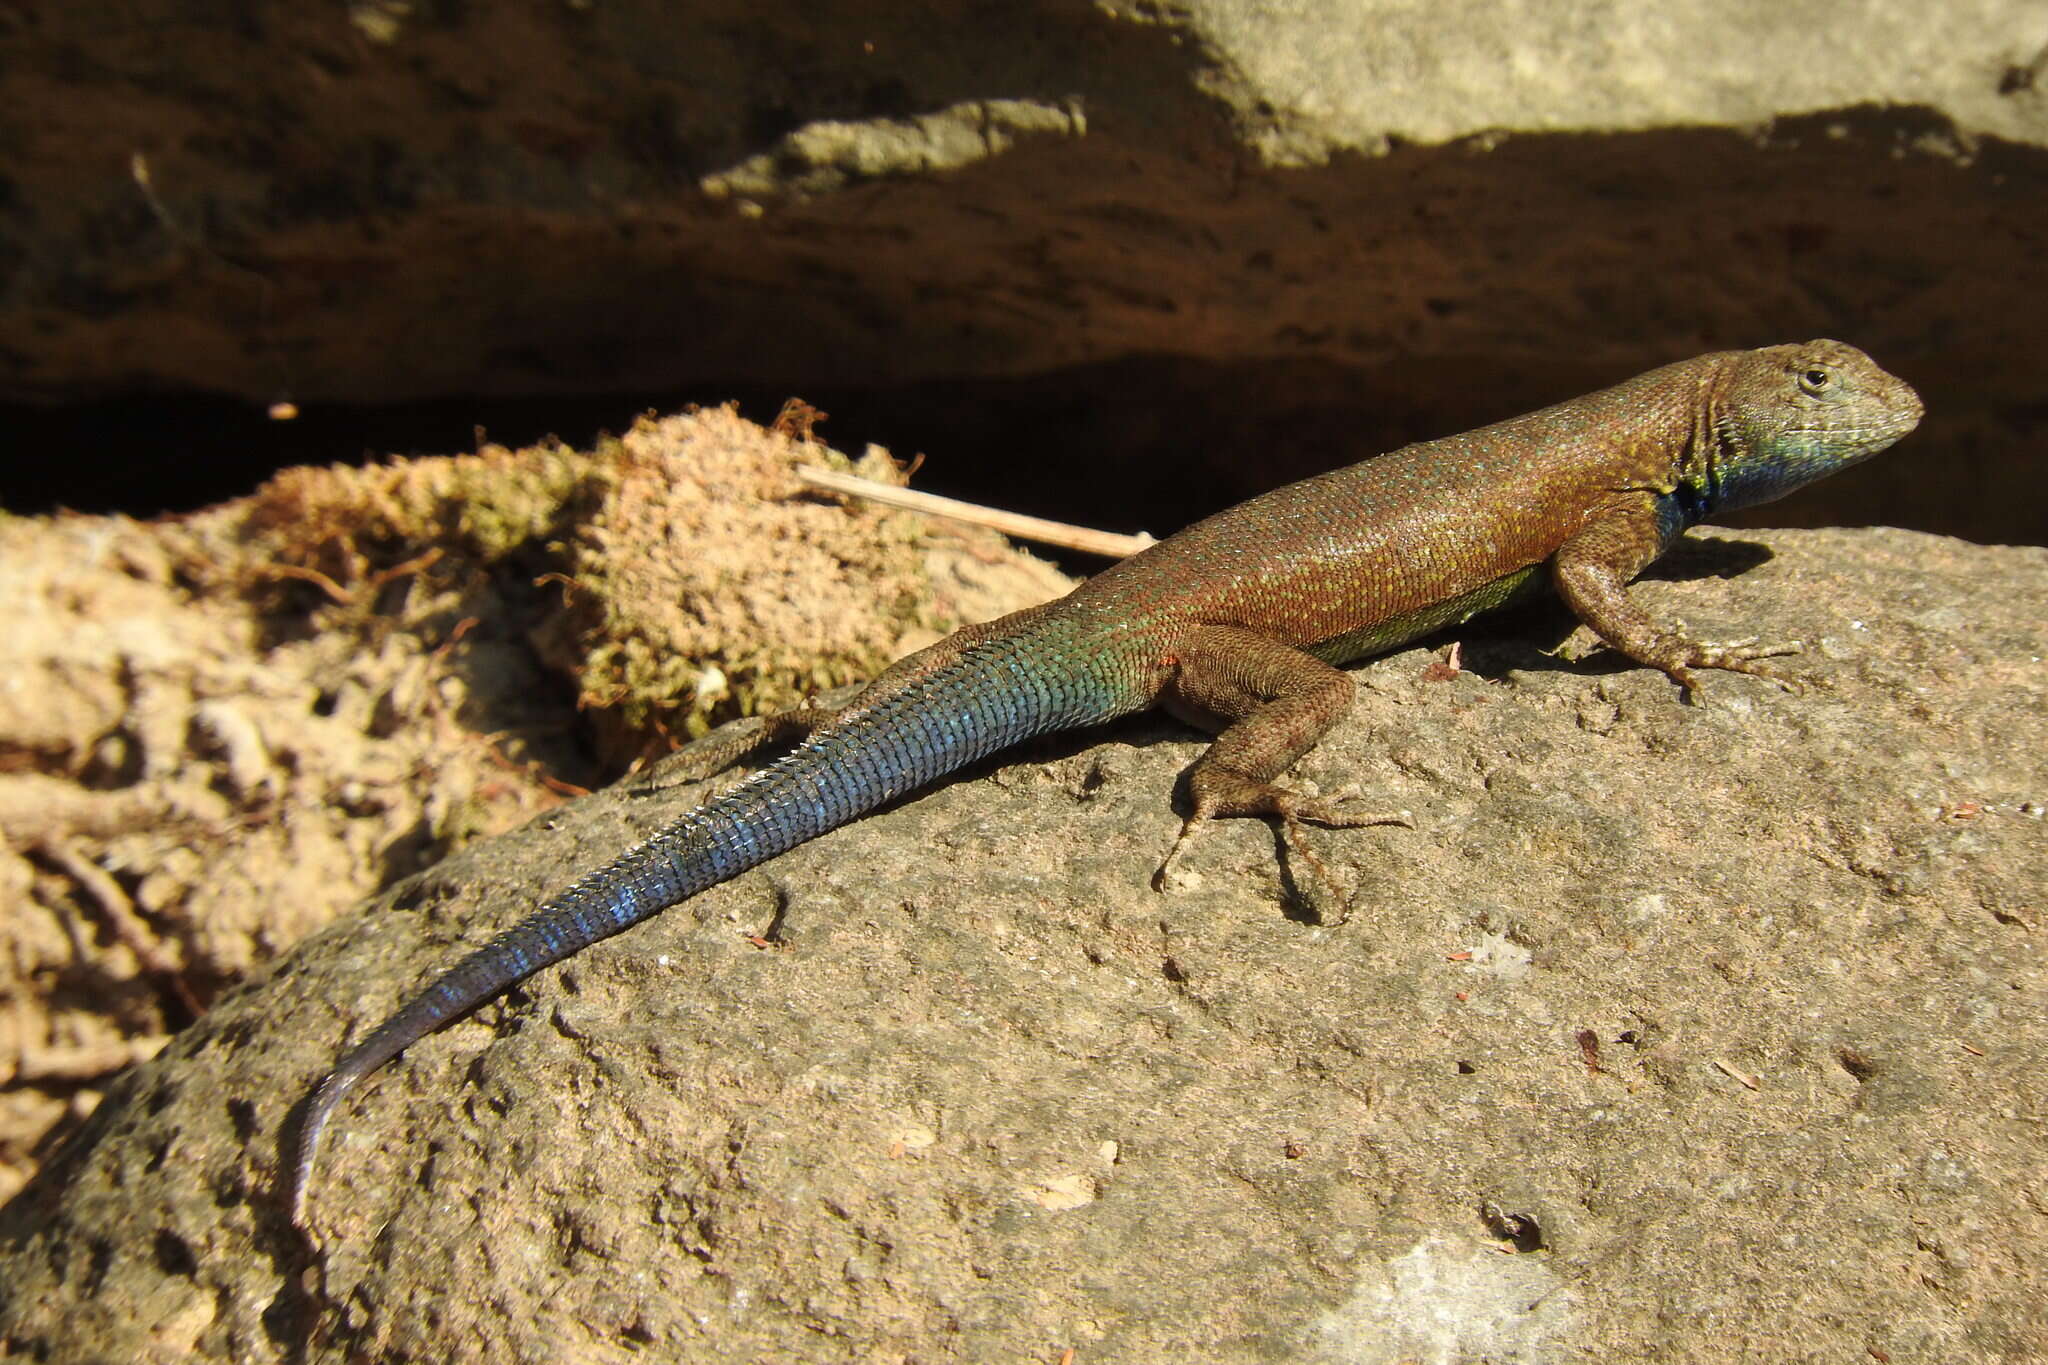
(1239, 622)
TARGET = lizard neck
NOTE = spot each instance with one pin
(1713, 445)
(1767, 422)
(1727, 464)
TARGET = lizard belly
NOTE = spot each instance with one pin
(1392, 632)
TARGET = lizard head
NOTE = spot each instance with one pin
(1787, 415)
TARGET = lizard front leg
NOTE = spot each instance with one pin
(1275, 702)
(1592, 571)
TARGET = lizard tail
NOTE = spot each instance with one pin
(996, 693)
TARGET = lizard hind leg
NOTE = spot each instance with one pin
(1275, 702)
(728, 744)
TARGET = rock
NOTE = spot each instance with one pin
(1673, 1031)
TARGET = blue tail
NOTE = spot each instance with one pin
(991, 697)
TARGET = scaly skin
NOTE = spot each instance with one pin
(1239, 621)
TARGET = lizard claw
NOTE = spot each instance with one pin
(1162, 876)
(1339, 811)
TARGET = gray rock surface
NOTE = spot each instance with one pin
(1357, 223)
(1687, 1033)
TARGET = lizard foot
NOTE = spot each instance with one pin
(1733, 656)
(1338, 812)
(1293, 809)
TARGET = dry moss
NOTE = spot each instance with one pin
(708, 585)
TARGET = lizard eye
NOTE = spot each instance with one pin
(1814, 379)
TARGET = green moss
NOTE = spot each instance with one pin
(497, 506)
(648, 690)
